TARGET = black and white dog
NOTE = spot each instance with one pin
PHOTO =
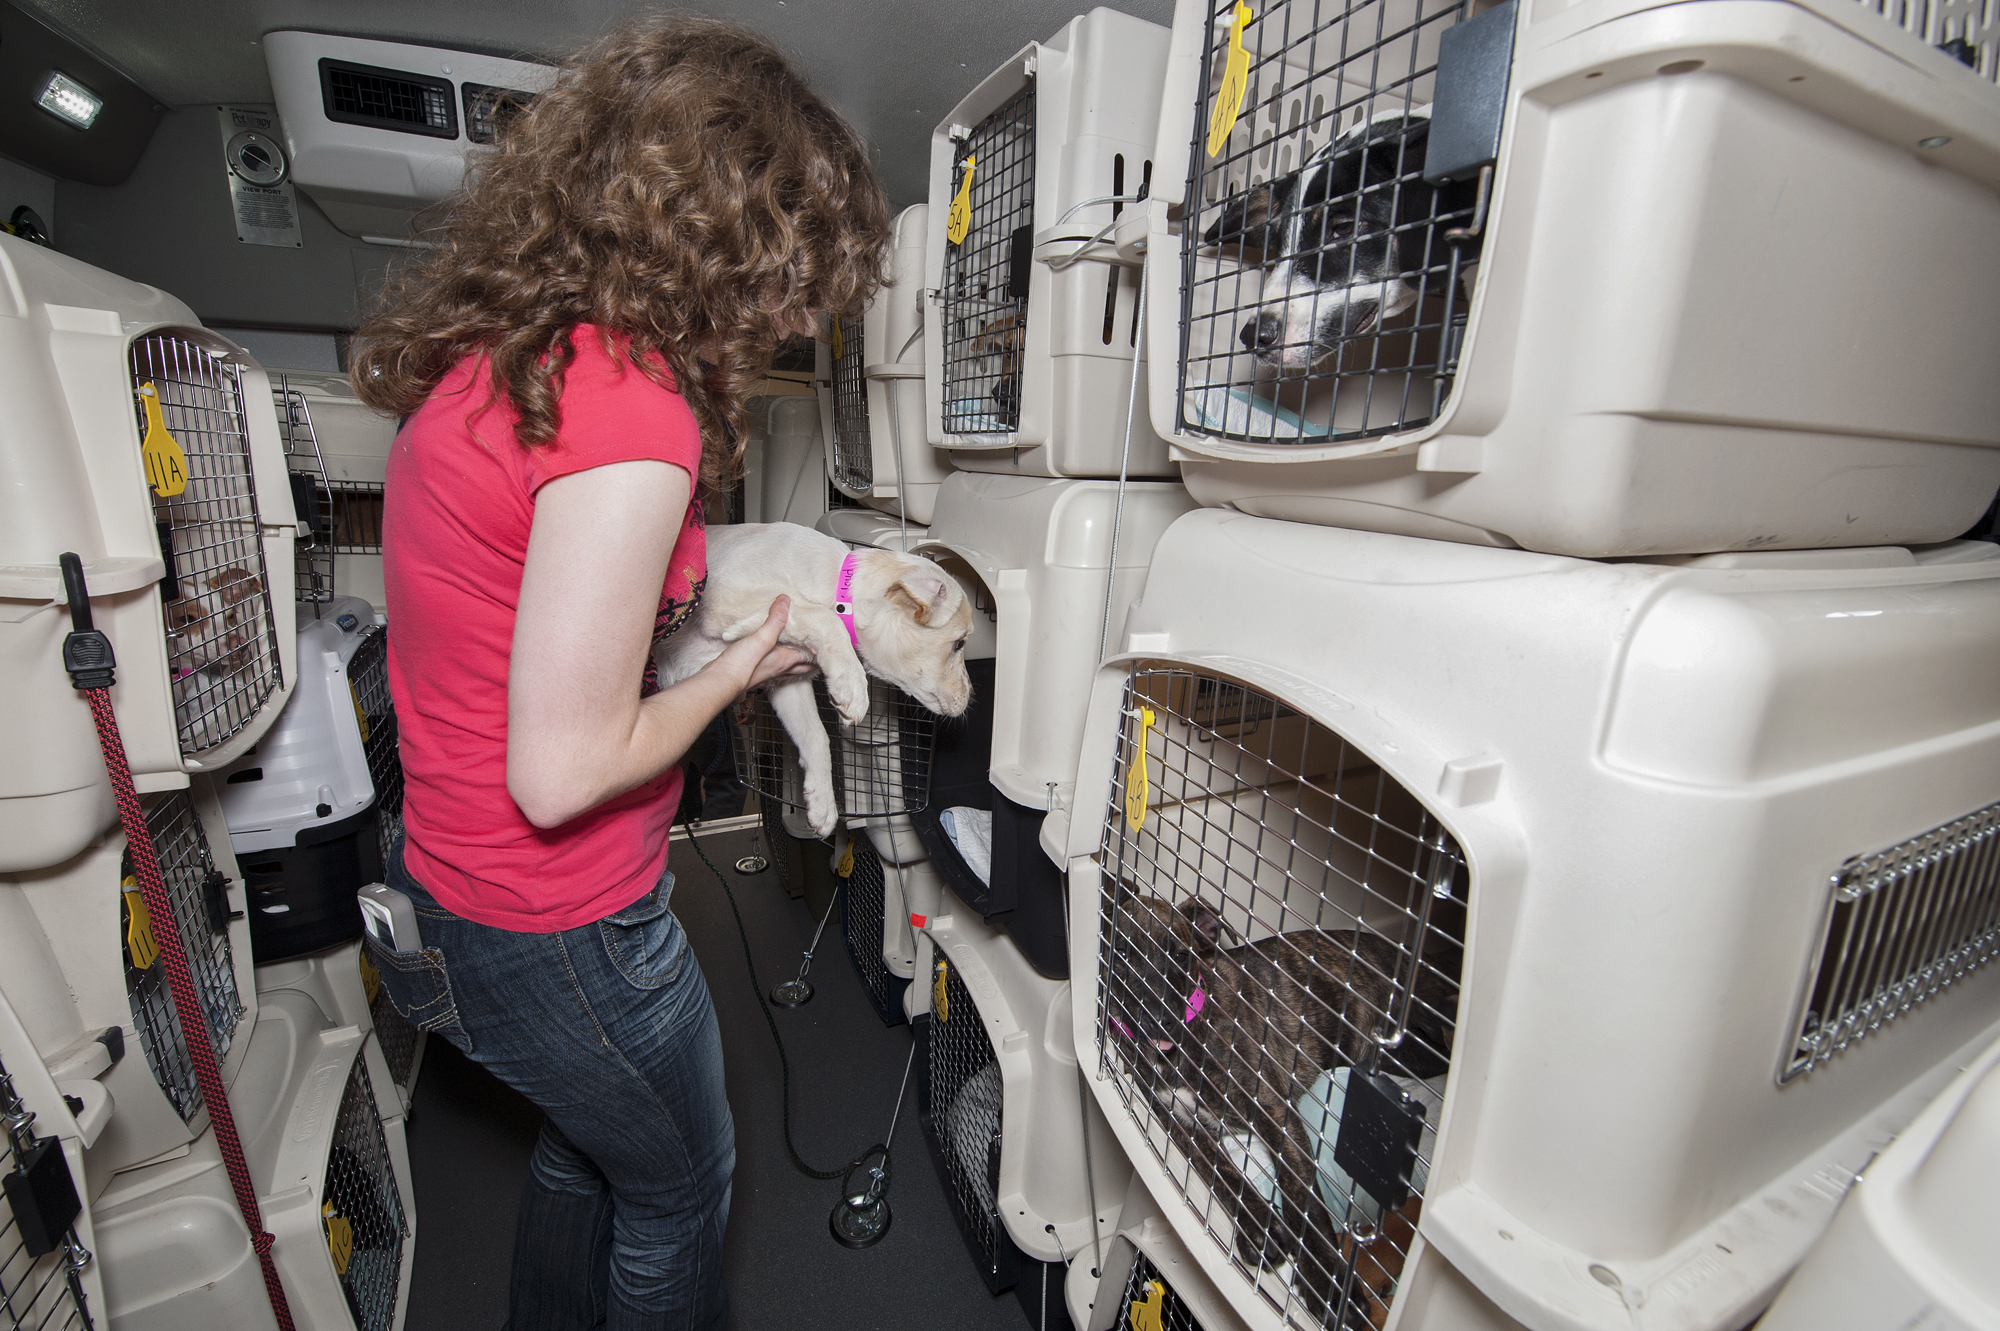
(1343, 240)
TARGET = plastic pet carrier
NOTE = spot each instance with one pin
(1029, 342)
(1034, 556)
(871, 390)
(47, 1280)
(1599, 920)
(1145, 1279)
(331, 1171)
(1554, 276)
(1914, 1240)
(314, 807)
(867, 528)
(146, 445)
(345, 985)
(999, 1103)
(82, 970)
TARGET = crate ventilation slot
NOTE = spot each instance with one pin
(1902, 926)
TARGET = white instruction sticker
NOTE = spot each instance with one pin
(260, 177)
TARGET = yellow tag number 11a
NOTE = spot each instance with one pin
(166, 462)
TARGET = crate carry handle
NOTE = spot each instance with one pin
(88, 657)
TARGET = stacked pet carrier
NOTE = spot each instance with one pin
(1031, 343)
(147, 445)
(1531, 877)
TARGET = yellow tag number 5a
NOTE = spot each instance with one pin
(959, 220)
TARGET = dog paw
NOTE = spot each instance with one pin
(850, 696)
(823, 814)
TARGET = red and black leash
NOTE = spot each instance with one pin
(88, 657)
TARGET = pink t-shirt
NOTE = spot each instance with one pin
(459, 504)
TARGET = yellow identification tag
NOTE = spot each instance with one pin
(140, 948)
(166, 463)
(371, 979)
(1235, 82)
(1137, 788)
(1147, 1313)
(339, 1239)
(846, 866)
(959, 220)
(940, 1003)
(360, 714)
(836, 339)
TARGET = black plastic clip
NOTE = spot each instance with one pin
(87, 653)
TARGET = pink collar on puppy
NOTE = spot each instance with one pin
(1195, 1003)
(843, 598)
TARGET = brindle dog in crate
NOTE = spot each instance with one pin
(1226, 1040)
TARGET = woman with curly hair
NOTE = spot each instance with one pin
(573, 358)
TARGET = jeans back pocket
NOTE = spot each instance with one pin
(644, 940)
(420, 990)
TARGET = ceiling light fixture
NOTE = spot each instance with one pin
(66, 99)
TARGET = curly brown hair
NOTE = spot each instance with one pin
(681, 187)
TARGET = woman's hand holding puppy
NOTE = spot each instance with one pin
(759, 657)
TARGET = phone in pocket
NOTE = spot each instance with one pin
(389, 917)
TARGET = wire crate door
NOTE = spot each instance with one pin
(41, 1273)
(881, 765)
(988, 258)
(962, 1101)
(375, 710)
(1282, 928)
(196, 888)
(361, 1207)
(1318, 296)
(850, 454)
(222, 635)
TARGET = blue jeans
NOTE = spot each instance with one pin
(609, 1029)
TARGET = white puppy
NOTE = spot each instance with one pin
(910, 623)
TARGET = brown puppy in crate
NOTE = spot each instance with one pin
(859, 613)
(1226, 1040)
(1003, 337)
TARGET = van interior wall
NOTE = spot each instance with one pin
(171, 224)
(22, 185)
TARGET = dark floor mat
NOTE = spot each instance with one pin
(471, 1136)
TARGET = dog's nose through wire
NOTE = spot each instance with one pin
(1267, 330)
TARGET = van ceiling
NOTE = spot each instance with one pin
(892, 67)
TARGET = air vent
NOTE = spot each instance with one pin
(387, 99)
(488, 109)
